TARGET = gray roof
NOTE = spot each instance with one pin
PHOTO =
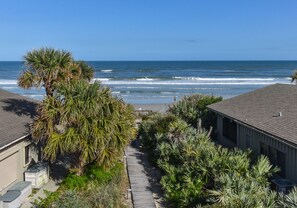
(16, 114)
(260, 109)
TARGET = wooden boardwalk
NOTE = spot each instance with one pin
(141, 193)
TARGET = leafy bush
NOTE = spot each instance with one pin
(287, 201)
(50, 198)
(71, 199)
(74, 181)
(194, 107)
(96, 188)
(154, 126)
(93, 173)
(198, 172)
(108, 195)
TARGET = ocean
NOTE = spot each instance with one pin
(156, 82)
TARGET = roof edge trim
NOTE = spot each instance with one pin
(15, 141)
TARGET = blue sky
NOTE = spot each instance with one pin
(151, 29)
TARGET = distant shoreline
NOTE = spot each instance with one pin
(158, 82)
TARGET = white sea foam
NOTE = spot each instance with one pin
(100, 79)
(35, 96)
(169, 93)
(136, 87)
(8, 81)
(106, 70)
(182, 82)
(9, 88)
(145, 79)
(224, 79)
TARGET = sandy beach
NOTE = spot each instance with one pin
(161, 108)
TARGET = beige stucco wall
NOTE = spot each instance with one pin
(17, 151)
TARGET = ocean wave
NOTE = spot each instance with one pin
(136, 87)
(34, 95)
(100, 79)
(118, 82)
(225, 79)
(172, 88)
(200, 88)
(145, 79)
(144, 96)
(9, 88)
(8, 82)
(106, 70)
(169, 93)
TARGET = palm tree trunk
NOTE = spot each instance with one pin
(80, 167)
(48, 90)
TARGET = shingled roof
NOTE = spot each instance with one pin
(261, 108)
(16, 113)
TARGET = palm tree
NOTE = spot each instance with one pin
(294, 77)
(85, 120)
(47, 67)
(87, 72)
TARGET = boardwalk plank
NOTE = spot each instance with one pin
(141, 191)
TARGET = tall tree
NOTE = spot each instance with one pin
(84, 119)
(47, 67)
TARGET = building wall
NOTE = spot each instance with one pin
(220, 138)
(251, 138)
(12, 163)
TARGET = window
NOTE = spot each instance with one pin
(276, 157)
(27, 154)
(230, 130)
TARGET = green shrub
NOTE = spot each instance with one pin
(108, 195)
(194, 107)
(96, 188)
(50, 198)
(156, 125)
(101, 175)
(73, 181)
(92, 173)
(192, 165)
(71, 199)
(289, 200)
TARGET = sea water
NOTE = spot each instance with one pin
(152, 82)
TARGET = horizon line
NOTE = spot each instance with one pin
(168, 60)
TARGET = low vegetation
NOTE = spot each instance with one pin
(97, 187)
(196, 172)
(193, 109)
